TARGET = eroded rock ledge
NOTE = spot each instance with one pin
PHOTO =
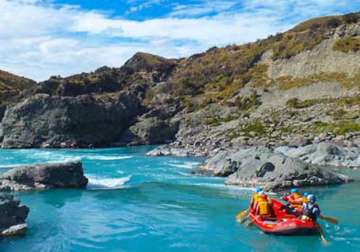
(44, 176)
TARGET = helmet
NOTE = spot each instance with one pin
(306, 194)
(294, 190)
(311, 198)
(258, 189)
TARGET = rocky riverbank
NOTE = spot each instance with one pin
(273, 168)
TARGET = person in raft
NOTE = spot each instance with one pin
(295, 201)
(311, 209)
(264, 207)
(255, 198)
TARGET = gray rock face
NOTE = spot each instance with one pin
(62, 175)
(12, 216)
(274, 171)
(324, 154)
(54, 121)
(227, 162)
(150, 130)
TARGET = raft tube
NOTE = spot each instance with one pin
(284, 223)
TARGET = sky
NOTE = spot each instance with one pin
(42, 38)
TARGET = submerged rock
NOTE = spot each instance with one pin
(43, 176)
(12, 216)
(262, 167)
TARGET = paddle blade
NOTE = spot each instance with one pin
(250, 223)
(241, 215)
(331, 220)
(322, 236)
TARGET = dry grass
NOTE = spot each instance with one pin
(288, 82)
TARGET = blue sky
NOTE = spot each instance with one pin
(41, 38)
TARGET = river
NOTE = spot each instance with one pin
(139, 203)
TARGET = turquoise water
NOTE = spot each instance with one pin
(139, 203)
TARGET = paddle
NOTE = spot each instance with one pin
(244, 219)
(331, 220)
(322, 236)
(240, 215)
(250, 223)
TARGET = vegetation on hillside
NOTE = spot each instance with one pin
(216, 76)
(347, 44)
(339, 127)
(288, 82)
(11, 82)
(10, 86)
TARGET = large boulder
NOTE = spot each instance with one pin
(42, 176)
(274, 171)
(82, 121)
(226, 162)
(12, 216)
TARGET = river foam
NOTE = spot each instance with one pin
(96, 183)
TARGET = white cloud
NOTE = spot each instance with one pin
(39, 39)
(143, 5)
(200, 9)
(216, 30)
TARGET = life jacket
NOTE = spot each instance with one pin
(252, 201)
(304, 200)
(258, 200)
(311, 210)
(295, 200)
(263, 208)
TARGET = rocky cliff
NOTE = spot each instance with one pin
(293, 88)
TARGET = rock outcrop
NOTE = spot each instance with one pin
(325, 154)
(81, 121)
(150, 130)
(12, 216)
(273, 171)
(44, 176)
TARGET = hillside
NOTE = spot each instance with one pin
(10, 87)
(289, 89)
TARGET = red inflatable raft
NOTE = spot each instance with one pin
(283, 223)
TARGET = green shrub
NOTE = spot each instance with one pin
(297, 104)
(256, 127)
(339, 128)
(247, 102)
(258, 75)
(347, 44)
(219, 120)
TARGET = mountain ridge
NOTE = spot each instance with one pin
(296, 84)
